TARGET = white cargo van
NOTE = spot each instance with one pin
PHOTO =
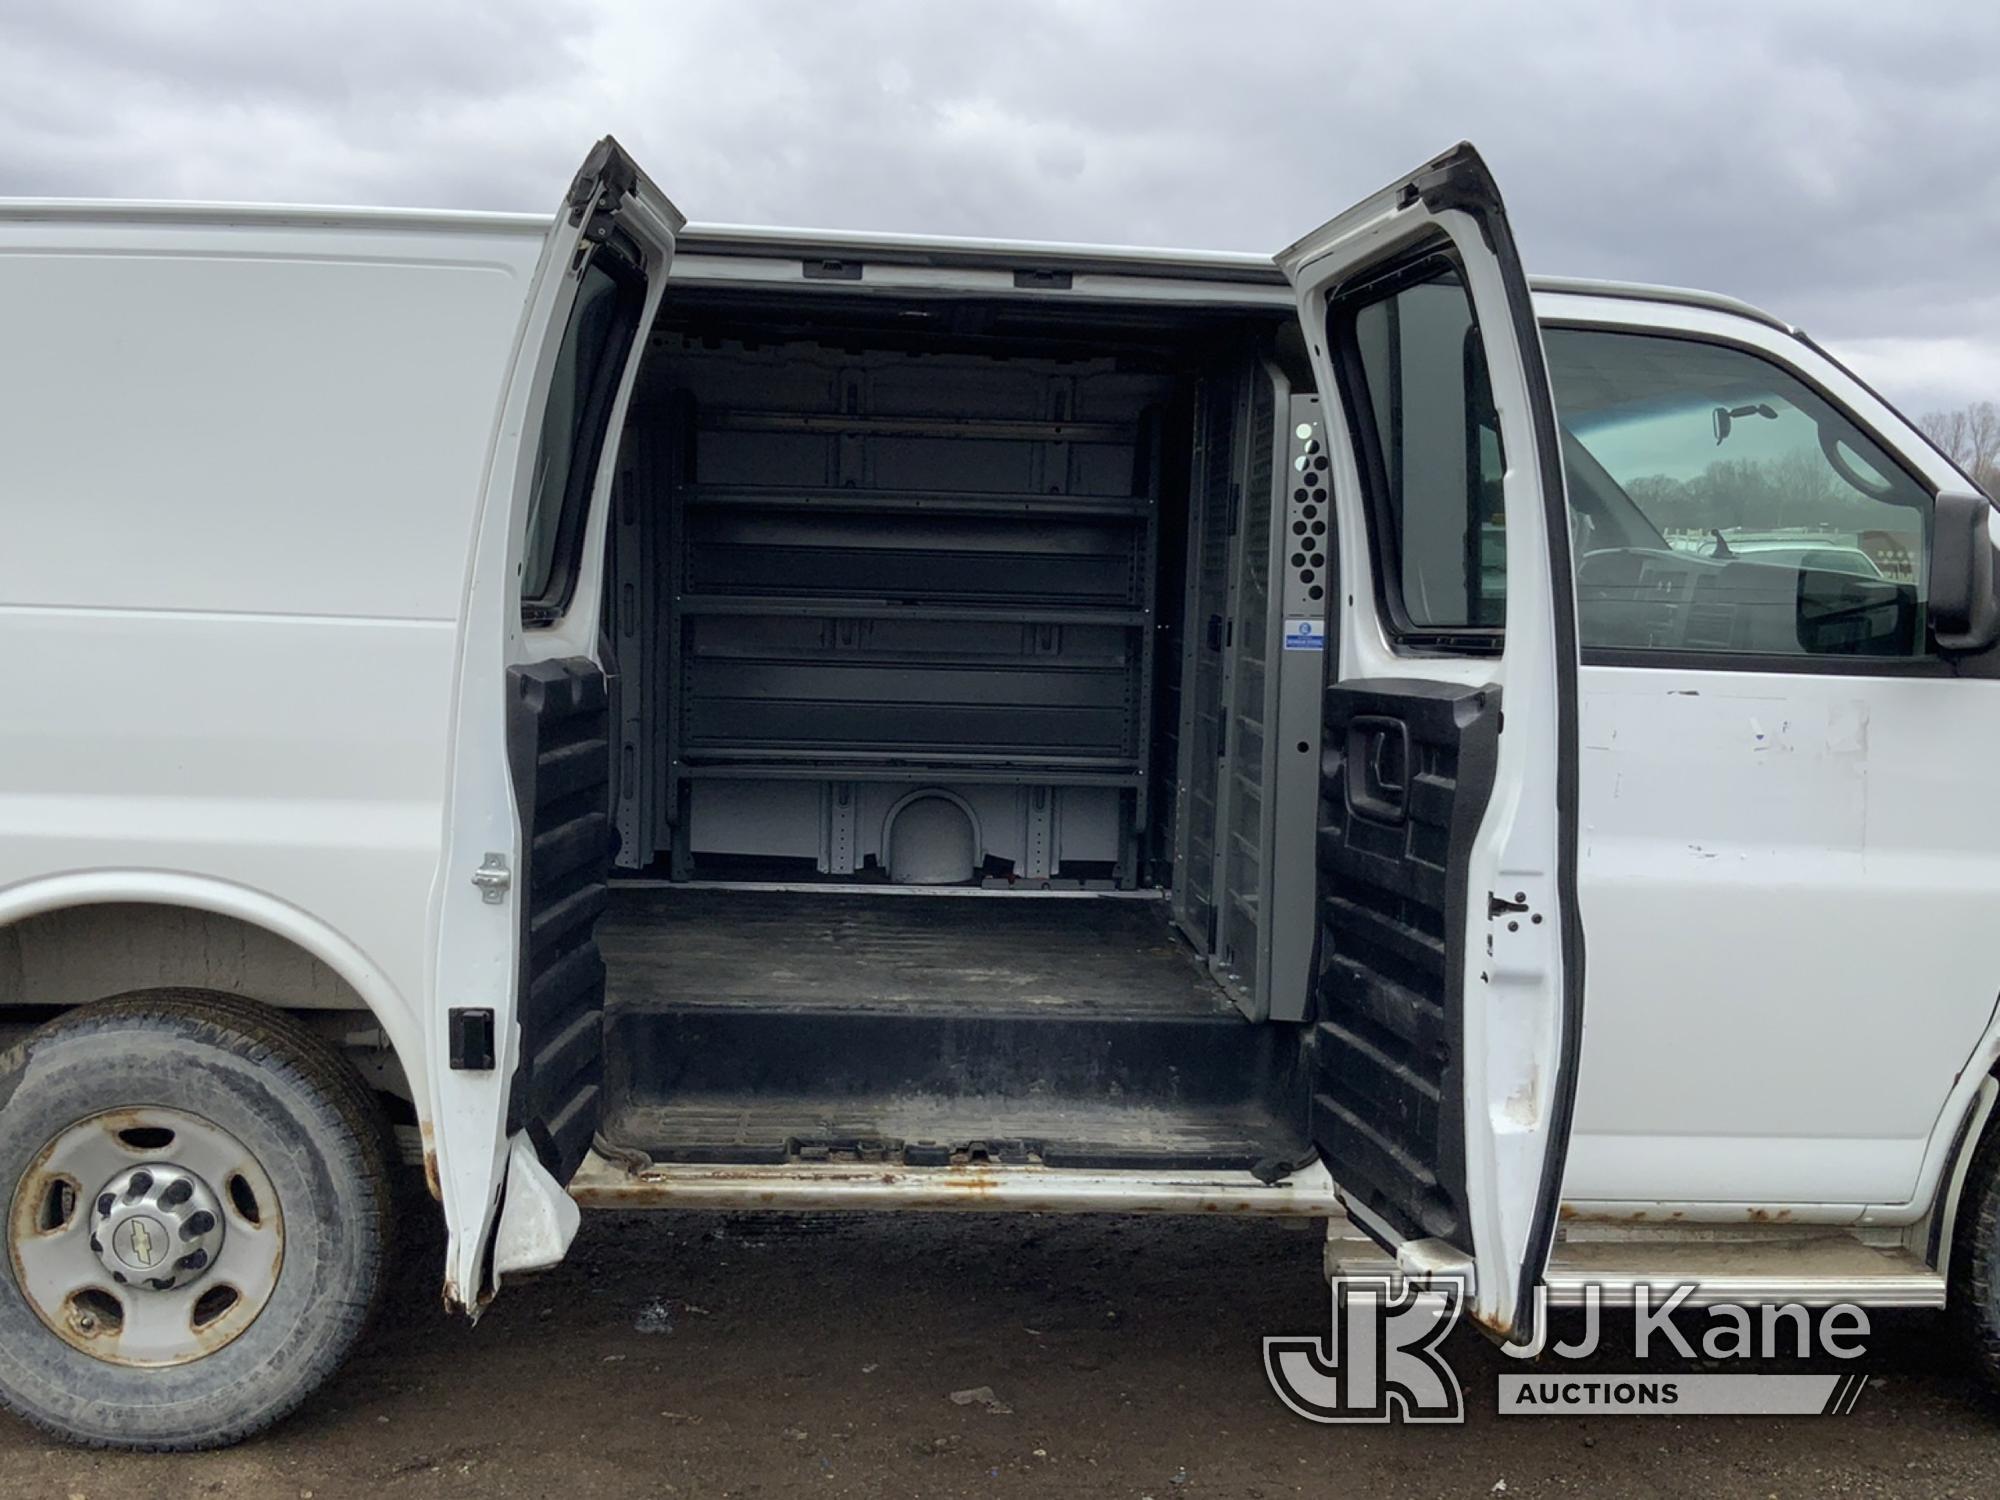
(625, 714)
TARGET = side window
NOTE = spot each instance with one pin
(1719, 505)
(1415, 387)
(575, 425)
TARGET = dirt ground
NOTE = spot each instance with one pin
(709, 1356)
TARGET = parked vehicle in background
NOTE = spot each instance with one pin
(621, 713)
(1804, 552)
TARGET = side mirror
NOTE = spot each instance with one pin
(1965, 574)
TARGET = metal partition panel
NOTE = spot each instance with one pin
(633, 615)
(1304, 564)
(1204, 628)
(940, 564)
(1243, 835)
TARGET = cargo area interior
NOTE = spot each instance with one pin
(946, 639)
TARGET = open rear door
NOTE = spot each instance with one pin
(1448, 980)
(517, 1059)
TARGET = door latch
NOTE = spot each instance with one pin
(493, 877)
(470, 1039)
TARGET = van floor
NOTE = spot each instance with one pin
(969, 954)
(766, 1026)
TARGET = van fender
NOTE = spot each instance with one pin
(390, 1007)
(1939, 1229)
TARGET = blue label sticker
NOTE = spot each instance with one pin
(1305, 635)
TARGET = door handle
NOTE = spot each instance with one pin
(1378, 768)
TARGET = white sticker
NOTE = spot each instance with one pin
(1305, 635)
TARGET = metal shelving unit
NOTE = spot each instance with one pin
(862, 596)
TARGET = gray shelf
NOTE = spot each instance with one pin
(695, 605)
(747, 767)
(891, 425)
(890, 502)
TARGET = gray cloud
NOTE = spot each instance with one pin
(1833, 161)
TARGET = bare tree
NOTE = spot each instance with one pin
(1970, 437)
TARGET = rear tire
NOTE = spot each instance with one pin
(276, 1188)
(1975, 1282)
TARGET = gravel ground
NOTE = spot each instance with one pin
(689, 1355)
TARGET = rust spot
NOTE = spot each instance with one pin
(974, 1184)
(962, 1185)
(455, 1300)
(216, 1333)
(1569, 1214)
(1572, 1215)
(431, 1178)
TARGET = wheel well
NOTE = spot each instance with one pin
(56, 960)
(1977, 1137)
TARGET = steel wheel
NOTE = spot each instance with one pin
(197, 1219)
(146, 1236)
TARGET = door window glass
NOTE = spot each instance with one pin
(1718, 504)
(575, 422)
(1418, 396)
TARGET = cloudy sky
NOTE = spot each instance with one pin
(1838, 162)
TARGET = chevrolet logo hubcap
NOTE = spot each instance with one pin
(140, 1242)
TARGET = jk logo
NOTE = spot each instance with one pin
(1379, 1362)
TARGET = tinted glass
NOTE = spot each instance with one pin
(588, 364)
(1435, 455)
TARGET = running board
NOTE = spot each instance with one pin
(1812, 1270)
(1815, 1272)
(993, 1187)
